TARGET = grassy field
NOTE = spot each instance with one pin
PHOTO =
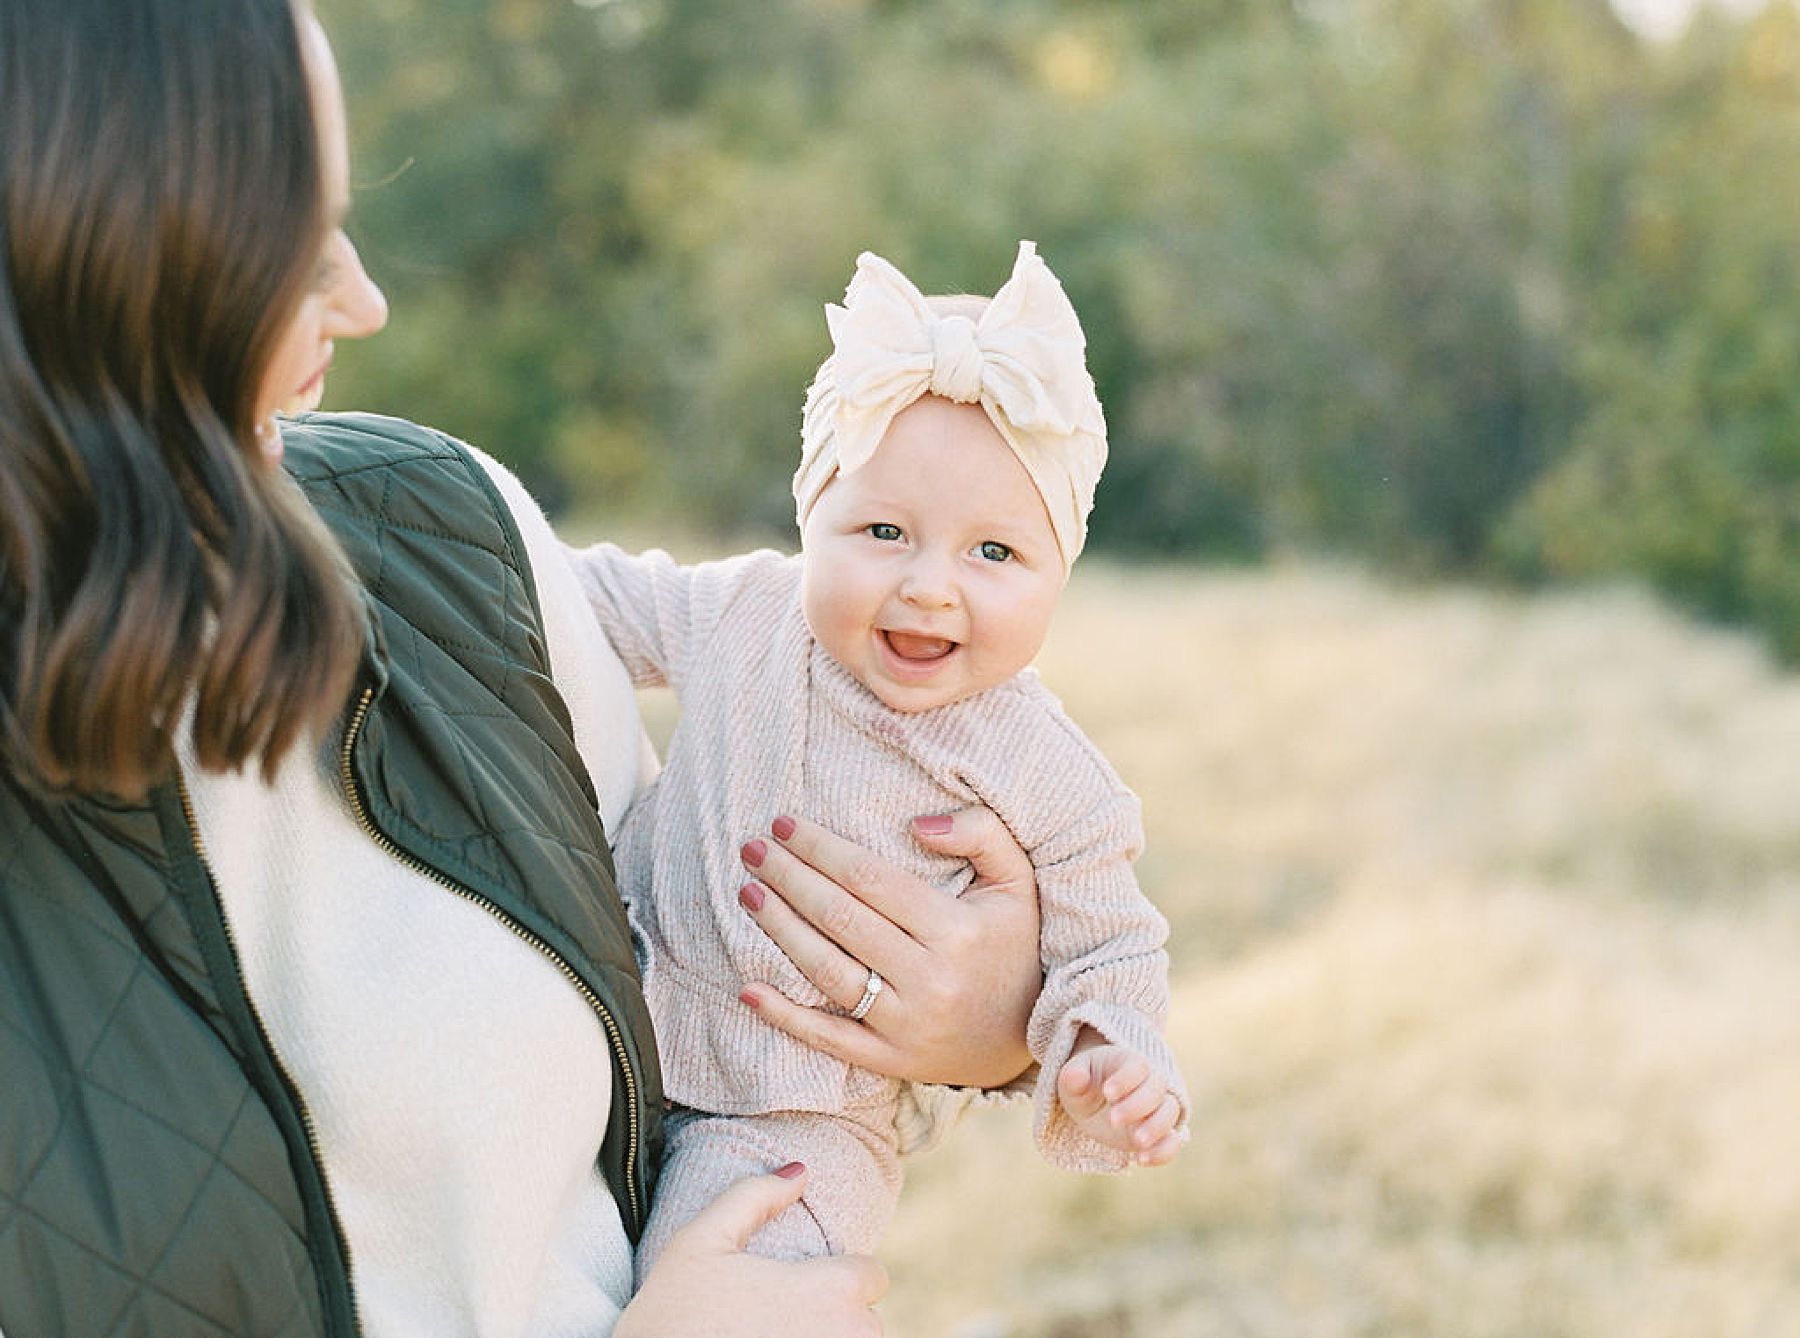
(1486, 944)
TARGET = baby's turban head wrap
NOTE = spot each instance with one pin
(1024, 361)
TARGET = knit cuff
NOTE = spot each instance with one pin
(928, 1111)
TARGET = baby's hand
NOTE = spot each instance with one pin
(1115, 1097)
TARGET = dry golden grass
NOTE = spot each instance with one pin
(1487, 952)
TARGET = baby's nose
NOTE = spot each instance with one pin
(928, 585)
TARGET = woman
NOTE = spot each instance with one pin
(317, 1011)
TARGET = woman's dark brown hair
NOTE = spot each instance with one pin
(161, 216)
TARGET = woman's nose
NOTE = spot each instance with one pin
(359, 308)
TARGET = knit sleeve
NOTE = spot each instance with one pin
(927, 1112)
(658, 614)
(644, 604)
(1102, 944)
(1104, 968)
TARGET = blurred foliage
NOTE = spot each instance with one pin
(1470, 286)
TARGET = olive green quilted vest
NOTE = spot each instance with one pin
(157, 1175)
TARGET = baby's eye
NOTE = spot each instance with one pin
(995, 552)
(885, 532)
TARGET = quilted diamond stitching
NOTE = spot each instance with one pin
(110, 930)
(71, 1242)
(201, 1190)
(217, 1169)
(81, 1074)
(55, 1061)
(81, 1071)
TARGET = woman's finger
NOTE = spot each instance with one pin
(1001, 867)
(872, 883)
(729, 1221)
(840, 977)
(860, 930)
(836, 1036)
(866, 1279)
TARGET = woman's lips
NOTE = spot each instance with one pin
(316, 382)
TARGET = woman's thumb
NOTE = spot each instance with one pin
(978, 835)
(729, 1221)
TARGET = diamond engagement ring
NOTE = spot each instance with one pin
(870, 992)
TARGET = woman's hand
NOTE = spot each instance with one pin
(705, 1284)
(959, 974)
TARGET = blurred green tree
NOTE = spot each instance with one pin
(1460, 285)
(1685, 464)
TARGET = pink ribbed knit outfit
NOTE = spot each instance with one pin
(771, 724)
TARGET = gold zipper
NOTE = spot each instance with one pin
(607, 1022)
(307, 1126)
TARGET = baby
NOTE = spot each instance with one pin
(950, 452)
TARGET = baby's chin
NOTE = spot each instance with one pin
(915, 699)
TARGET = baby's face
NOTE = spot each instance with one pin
(931, 572)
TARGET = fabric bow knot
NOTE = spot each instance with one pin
(955, 359)
(1023, 361)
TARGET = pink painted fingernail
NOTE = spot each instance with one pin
(750, 897)
(935, 824)
(783, 827)
(753, 852)
(792, 1171)
(748, 997)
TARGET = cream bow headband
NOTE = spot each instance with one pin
(1023, 361)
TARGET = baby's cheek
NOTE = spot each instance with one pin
(1021, 639)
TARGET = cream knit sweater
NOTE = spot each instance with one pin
(458, 1085)
(771, 724)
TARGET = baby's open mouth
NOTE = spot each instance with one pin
(911, 646)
